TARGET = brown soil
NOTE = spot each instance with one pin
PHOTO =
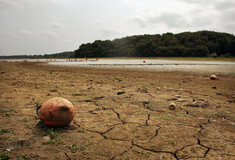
(120, 114)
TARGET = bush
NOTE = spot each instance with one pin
(213, 55)
(226, 55)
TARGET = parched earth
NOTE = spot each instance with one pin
(120, 114)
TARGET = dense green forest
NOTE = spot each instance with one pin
(186, 44)
(68, 54)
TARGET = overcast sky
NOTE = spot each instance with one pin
(51, 26)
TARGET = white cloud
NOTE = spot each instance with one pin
(48, 33)
(56, 25)
(38, 34)
(26, 32)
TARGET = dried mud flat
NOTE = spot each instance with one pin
(120, 114)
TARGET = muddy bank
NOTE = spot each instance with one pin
(120, 114)
(208, 67)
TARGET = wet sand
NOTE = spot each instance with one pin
(120, 113)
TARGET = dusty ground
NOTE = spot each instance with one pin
(119, 114)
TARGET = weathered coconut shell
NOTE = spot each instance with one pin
(213, 77)
(56, 112)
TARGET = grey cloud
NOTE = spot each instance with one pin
(105, 33)
(230, 27)
(6, 4)
(225, 5)
(198, 1)
(199, 21)
(230, 15)
(138, 20)
(171, 20)
(202, 17)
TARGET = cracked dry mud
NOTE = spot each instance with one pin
(120, 114)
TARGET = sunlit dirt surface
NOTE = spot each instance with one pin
(120, 114)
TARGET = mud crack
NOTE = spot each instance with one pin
(156, 134)
(118, 115)
(151, 150)
(67, 156)
(147, 119)
(201, 126)
(199, 143)
(123, 152)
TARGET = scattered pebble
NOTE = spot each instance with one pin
(181, 100)
(213, 77)
(178, 96)
(172, 106)
(198, 104)
(45, 139)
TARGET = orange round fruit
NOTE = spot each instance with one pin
(56, 112)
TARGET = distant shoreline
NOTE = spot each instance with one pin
(226, 59)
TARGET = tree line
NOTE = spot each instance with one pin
(68, 54)
(186, 44)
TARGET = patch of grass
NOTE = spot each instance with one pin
(182, 122)
(172, 143)
(167, 117)
(104, 154)
(106, 104)
(5, 155)
(140, 152)
(164, 106)
(189, 115)
(51, 133)
(56, 141)
(202, 148)
(182, 155)
(25, 120)
(25, 157)
(81, 130)
(6, 112)
(85, 153)
(38, 103)
(2, 130)
(83, 147)
(73, 148)
(150, 153)
(53, 137)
